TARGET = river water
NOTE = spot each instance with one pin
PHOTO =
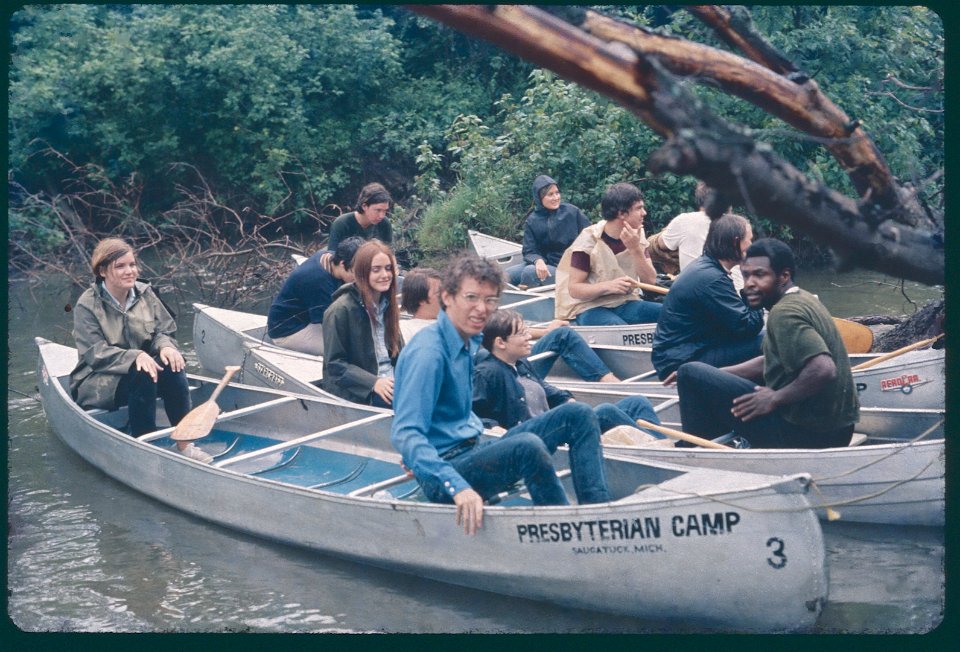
(86, 554)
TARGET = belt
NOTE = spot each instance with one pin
(463, 447)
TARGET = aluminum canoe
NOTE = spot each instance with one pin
(893, 483)
(880, 425)
(913, 380)
(718, 550)
(504, 253)
(227, 337)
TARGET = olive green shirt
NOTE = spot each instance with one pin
(799, 328)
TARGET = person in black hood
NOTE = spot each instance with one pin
(550, 228)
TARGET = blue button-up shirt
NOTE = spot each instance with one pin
(432, 401)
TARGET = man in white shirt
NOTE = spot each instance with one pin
(681, 242)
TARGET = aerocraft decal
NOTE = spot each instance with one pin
(903, 383)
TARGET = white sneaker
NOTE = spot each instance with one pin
(196, 453)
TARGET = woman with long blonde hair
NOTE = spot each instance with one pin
(361, 330)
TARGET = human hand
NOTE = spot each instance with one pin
(173, 359)
(541, 269)
(326, 261)
(384, 389)
(622, 285)
(147, 364)
(469, 510)
(671, 379)
(762, 401)
(554, 324)
(633, 238)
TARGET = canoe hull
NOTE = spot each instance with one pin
(736, 552)
(914, 380)
(895, 484)
(504, 253)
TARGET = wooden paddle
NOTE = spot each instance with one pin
(199, 421)
(893, 354)
(647, 287)
(857, 338)
(678, 434)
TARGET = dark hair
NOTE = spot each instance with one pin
(346, 250)
(372, 193)
(362, 264)
(701, 193)
(724, 237)
(619, 197)
(106, 252)
(779, 253)
(545, 189)
(469, 265)
(416, 288)
(502, 323)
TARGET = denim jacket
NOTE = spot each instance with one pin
(498, 396)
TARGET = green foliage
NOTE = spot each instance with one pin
(884, 66)
(556, 128)
(285, 109)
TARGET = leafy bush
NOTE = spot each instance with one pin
(287, 109)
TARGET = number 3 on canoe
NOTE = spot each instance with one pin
(776, 551)
(199, 421)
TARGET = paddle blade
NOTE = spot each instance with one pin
(856, 337)
(198, 422)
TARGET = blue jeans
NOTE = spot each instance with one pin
(570, 345)
(706, 396)
(514, 274)
(139, 393)
(525, 451)
(626, 412)
(631, 312)
(529, 278)
(723, 355)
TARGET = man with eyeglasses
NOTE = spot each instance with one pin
(437, 433)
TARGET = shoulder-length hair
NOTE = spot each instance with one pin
(362, 264)
(372, 193)
(724, 237)
(106, 252)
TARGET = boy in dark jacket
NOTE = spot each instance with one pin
(507, 391)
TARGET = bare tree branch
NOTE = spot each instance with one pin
(734, 25)
(795, 98)
(625, 65)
